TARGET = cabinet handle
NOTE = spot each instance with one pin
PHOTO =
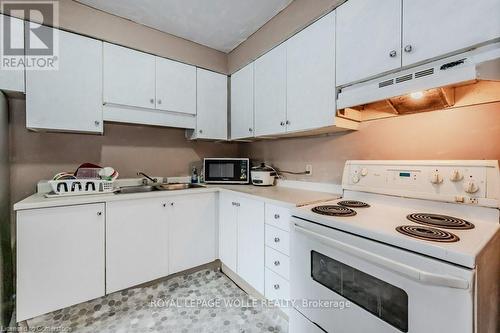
(393, 54)
(152, 100)
(276, 239)
(276, 286)
(159, 101)
(276, 216)
(408, 48)
(276, 263)
(282, 123)
(97, 123)
(172, 204)
(99, 213)
(250, 129)
(200, 131)
(164, 205)
(287, 122)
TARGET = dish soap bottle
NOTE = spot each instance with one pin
(194, 176)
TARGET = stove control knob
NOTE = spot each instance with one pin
(436, 178)
(456, 176)
(471, 187)
(364, 172)
(355, 179)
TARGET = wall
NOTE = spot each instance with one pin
(88, 21)
(463, 133)
(6, 285)
(295, 17)
(128, 148)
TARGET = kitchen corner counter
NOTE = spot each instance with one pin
(287, 196)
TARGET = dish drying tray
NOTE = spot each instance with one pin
(73, 187)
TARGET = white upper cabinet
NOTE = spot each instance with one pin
(129, 77)
(270, 92)
(175, 86)
(13, 79)
(310, 76)
(368, 37)
(69, 98)
(211, 120)
(192, 231)
(434, 28)
(242, 103)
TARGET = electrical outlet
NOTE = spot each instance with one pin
(309, 169)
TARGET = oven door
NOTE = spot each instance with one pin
(349, 284)
(227, 170)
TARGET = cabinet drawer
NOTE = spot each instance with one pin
(278, 239)
(278, 262)
(278, 216)
(277, 288)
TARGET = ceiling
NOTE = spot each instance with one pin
(219, 24)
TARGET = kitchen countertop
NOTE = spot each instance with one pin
(280, 195)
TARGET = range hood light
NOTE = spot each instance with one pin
(417, 94)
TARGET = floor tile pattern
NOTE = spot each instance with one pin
(204, 301)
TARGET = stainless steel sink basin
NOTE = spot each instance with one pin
(136, 189)
(161, 187)
(173, 187)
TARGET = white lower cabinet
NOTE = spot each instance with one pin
(241, 238)
(60, 258)
(228, 231)
(136, 242)
(251, 242)
(192, 234)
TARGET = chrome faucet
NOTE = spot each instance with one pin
(146, 177)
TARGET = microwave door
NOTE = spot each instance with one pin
(346, 292)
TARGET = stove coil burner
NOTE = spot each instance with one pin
(353, 204)
(440, 221)
(428, 233)
(332, 210)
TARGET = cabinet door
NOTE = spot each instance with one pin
(192, 231)
(368, 37)
(175, 86)
(270, 92)
(311, 76)
(228, 230)
(136, 242)
(129, 77)
(251, 259)
(13, 79)
(74, 100)
(60, 258)
(211, 118)
(242, 100)
(434, 28)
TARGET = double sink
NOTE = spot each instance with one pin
(159, 187)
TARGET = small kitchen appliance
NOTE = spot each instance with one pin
(263, 175)
(412, 246)
(226, 170)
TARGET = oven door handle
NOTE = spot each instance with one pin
(394, 266)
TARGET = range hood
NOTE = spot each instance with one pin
(469, 78)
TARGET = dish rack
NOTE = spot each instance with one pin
(81, 186)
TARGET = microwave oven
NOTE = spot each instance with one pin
(226, 170)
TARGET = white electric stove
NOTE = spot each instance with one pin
(412, 246)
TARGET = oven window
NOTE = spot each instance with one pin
(380, 298)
